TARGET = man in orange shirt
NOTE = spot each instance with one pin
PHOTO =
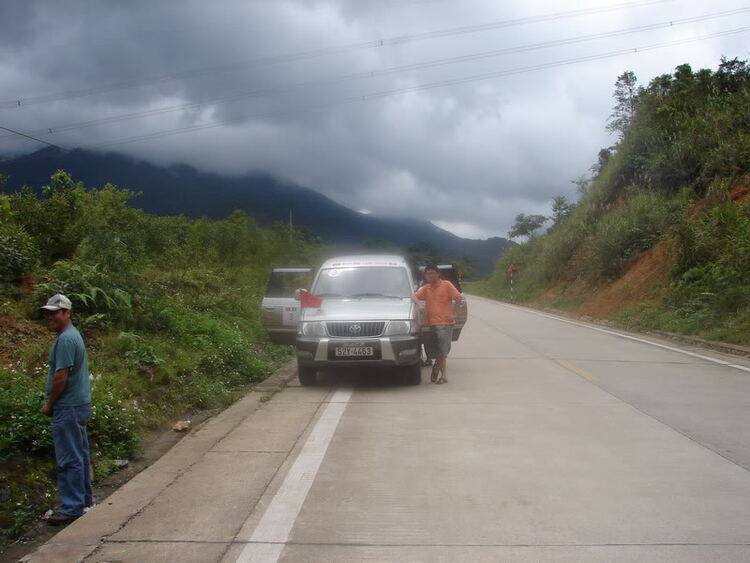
(439, 296)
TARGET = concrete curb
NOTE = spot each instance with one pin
(81, 538)
(735, 349)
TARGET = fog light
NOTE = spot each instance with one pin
(304, 354)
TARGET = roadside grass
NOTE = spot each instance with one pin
(169, 308)
(201, 357)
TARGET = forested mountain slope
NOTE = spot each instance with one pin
(660, 237)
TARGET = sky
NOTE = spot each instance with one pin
(408, 108)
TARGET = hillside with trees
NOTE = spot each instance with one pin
(183, 190)
(660, 235)
(169, 308)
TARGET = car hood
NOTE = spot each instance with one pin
(365, 309)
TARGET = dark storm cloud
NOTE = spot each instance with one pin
(468, 156)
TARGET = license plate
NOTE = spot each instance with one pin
(354, 351)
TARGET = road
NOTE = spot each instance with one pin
(553, 441)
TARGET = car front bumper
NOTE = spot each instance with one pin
(317, 352)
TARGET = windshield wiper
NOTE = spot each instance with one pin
(376, 295)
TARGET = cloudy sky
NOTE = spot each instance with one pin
(396, 107)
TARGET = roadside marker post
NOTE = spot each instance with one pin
(510, 270)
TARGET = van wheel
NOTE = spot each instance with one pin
(307, 376)
(412, 375)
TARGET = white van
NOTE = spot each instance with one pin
(367, 318)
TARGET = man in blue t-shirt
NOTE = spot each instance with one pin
(69, 405)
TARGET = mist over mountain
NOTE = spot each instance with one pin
(181, 189)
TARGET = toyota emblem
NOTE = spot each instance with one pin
(355, 329)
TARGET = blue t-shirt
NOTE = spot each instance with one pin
(68, 351)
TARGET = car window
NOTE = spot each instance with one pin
(284, 284)
(363, 282)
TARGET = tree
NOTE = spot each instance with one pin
(61, 181)
(602, 159)
(626, 97)
(526, 225)
(582, 184)
(561, 209)
(421, 253)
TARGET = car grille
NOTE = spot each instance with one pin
(356, 329)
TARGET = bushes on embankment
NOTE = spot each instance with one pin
(168, 306)
(678, 173)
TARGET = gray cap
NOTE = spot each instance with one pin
(57, 302)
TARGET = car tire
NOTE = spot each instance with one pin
(412, 375)
(307, 376)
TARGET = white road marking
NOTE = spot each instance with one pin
(627, 336)
(270, 535)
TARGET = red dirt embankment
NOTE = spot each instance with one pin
(646, 276)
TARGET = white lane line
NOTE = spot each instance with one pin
(270, 535)
(627, 336)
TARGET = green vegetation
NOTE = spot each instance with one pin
(169, 308)
(678, 173)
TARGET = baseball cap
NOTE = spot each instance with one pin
(57, 302)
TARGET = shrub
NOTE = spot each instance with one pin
(712, 265)
(634, 226)
(23, 428)
(18, 253)
(112, 428)
(93, 293)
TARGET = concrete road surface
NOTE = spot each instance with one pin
(553, 441)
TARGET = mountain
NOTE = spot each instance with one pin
(182, 189)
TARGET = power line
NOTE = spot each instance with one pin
(432, 85)
(382, 72)
(29, 136)
(21, 101)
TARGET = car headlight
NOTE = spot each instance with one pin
(313, 329)
(395, 328)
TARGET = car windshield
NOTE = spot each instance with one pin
(363, 282)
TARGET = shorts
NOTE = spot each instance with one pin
(437, 342)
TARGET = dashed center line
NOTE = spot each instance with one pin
(575, 369)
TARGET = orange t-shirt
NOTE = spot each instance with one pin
(439, 298)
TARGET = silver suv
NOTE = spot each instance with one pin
(366, 318)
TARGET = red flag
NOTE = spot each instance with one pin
(309, 301)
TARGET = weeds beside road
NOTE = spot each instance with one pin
(169, 308)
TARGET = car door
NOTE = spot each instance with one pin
(448, 272)
(280, 310)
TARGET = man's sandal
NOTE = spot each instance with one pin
(60, 519)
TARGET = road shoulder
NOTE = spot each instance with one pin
(82, 538)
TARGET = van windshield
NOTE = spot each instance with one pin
(363, 282)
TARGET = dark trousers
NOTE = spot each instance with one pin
(73, 457)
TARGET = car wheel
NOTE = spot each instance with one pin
(307, 376)
(412, 375)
